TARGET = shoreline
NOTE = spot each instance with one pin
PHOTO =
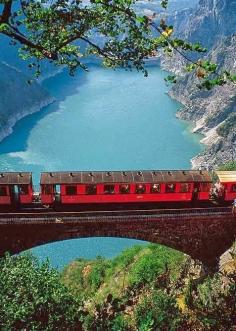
(12, 121)
(206, 137)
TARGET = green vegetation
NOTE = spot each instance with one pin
(64, 32)
(146, 288)
(229, 166)
(32, 297)
(153, 288)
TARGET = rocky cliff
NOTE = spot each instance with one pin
(213, 112)
(18, 97)
(211, 20)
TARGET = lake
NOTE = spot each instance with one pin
(101, 120)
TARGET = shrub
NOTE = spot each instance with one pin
(157, 311)
(33, 298)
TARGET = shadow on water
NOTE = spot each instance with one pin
(60, 87)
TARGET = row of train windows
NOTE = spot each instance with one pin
(125, 189)
(21, 189)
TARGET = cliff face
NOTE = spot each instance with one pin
(18, 98)
(213, 112)
(212, 20)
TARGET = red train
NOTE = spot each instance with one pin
(99, 187)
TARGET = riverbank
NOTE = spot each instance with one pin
(11, 122)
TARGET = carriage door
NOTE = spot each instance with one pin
(196, 189)
(14, 193)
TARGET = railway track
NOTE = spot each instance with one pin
(66, 216)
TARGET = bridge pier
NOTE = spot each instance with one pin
(204, 236)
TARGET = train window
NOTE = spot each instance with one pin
(155, 188)
(109, 189)
(170, 188)
(184, 187)
(3, 191)
(124, 188)
(91, 189)
(140, 188)
(23, 189)
(71, 190)
(233, 188)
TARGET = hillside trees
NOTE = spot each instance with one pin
(32, 297)
(64, 32)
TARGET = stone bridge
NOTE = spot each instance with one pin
(202, 234)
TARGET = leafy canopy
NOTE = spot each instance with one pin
(33, 298)
(66, 31)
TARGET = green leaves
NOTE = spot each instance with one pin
(4, 28)
(111, 30)
(171, 79)
(33, 298)
(164, 3)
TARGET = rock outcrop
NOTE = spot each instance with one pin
(213, 112)
(19, 96)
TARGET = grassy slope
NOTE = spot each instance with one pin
(152, 288)
(132, 268)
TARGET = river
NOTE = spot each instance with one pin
(102, 120)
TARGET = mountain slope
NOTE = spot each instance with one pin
(213, 112)
(18, 97)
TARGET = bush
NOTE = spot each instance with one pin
(215, 304)
(97, 274)
(119, 324)
(157, 311)
(33, 298)
(156, 260)
(145, 270)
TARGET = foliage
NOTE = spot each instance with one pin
(151, 265)
(215, 304)
(97, 274)
(64, 32)
(156, 296)
(126, 258)
(228, 166)
(158, 311)
(119, 323)
(33, 298)
(106, 316)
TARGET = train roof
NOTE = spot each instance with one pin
(151, 176)
(15, 178)
(226, 176)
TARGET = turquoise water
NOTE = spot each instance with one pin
(102, 120)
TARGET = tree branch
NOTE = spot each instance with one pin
(6, 13)
(23, 40)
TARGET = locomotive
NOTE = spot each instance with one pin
(116, 187)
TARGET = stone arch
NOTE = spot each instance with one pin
(202, 237)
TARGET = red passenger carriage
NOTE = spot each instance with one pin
(124, 186)
(15, 188)
(227, 180)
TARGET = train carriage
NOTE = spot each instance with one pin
(15, 188)
(83, 187)
(227, 180)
